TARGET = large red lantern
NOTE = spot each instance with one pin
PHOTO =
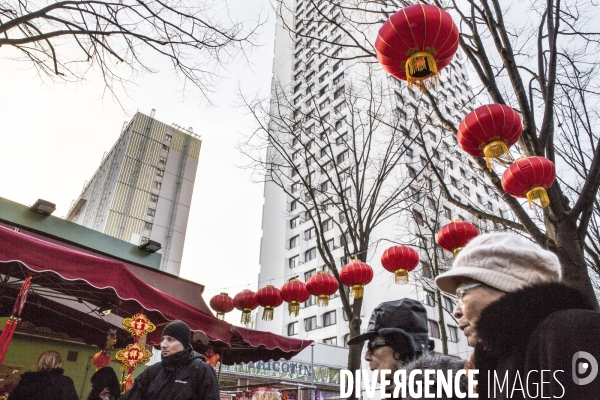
(488, 131)
(294, 293)
(101, 359)
(417, 42)
(356, 274)
(400, 260)
(454, 236)
(530, 177)
(222, 304)
(322, 285)
(245, 301)
(269, 298)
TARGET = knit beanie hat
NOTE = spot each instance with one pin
(180, 331)
(503, 261)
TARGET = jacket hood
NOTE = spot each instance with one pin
(42, 376)
(511, 320)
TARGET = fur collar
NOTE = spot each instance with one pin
(44, 375)
(509, 322)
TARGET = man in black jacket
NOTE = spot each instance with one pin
(181, 375)
(533, 336)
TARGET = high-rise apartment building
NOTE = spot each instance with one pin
(314, 65)
(143, 188)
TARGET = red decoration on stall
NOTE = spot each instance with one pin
(454, 236)
(417, 42)
(245, 301)
(322, 285)
(138, 325)
(222, 304)
(488, 131)
(269, 298)
(101, 359)
(400, 260)
(11, 324)
(135, 354)
(212, 358)
(356, 274)
(530, 177)
(294, 292)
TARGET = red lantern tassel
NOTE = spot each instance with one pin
(221, 315)
(268, 313)
(421, 70)
(322, 300)
(294, 308)
(400, 276)
(357, 291)
(246, 316)
(537, 193)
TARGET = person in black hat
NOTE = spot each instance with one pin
(397, 334)
(182, 374)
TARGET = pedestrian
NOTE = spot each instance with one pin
(105, 385)
(47, 382)
(529, 331)
(181, 375)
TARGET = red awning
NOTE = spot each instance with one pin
(68, 287)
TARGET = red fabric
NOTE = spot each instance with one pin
(356, 273)
(456, 234)
(322, 283)
(486, 124)
(294, 291)
(61, 273)
(400, 257)
(417, 28)
(269, 296)
(527, 172)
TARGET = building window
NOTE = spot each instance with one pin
(409, 152)
(411, 172)
(293, 261)
(293, 205)
(168, 137)
(294, 222)
(452, 333)
(165, 148)
(310, 254)
(465, 189)
(156, 185)
(309, 234)
(423, 161)
(449, 164)
(453, 182)
(327, 225)
(489, 206)
(295, 241)
(447, 213)
(160, 172)
(400, 113)
(312, 300)
(331, 341)
(434, 329)
(430, 298)
(154, 198)
(330, 244)
(162, 160)
(310, 324)
(151, 212)
(448, 304)
(345, 339)
(292, 328)
(147, 225)
(329, 318)
(418, 217)
(479, 199)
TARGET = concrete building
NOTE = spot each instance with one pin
(313, 70)
(142, 189)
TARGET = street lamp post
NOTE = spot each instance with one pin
(312, 370)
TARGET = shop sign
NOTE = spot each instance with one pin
(287, 370)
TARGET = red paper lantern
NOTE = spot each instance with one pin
(488, 131)
(356, 274)
(245, 301)
(454, 236)
(101, 359)
(400, 260)
(222, 304)
(294, 293)
(530, 177)
(269, 297)
(417, 42)
(322, 285)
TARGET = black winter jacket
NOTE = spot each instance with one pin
(181, 376)
(528, 342)
(437, 362)
(44, 385)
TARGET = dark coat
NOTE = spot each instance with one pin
(535, 329)
(44, 385)
(182, 376)
(437, 362)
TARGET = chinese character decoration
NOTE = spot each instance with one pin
(135, 354)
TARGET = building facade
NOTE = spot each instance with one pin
(315, 64)
(143, 188)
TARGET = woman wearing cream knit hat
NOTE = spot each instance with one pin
(539, 335)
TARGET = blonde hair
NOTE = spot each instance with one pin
(49, 360)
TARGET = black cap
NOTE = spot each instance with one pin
(402, 323)
(180, 331)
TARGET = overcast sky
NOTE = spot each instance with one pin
(53, 137)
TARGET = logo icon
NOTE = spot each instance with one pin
(584, 368)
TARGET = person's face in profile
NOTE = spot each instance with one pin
(169, 345)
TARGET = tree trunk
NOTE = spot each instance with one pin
(354, 353)
(442, 324)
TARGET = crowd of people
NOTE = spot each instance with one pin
(529, 331)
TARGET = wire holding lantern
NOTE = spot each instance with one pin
(322, 285)
(455, 235)
(356, 274)
(269, 297)
(530, 177)
(294, 292)
(417, 42)
(400, 260)
(245, 301)
(135, 354)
